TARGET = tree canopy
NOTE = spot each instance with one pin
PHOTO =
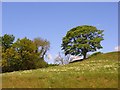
(82, 39)
(7, 41)
(22, 54)
(42, 46)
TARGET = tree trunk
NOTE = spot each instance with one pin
(84, 55)
(44, 52)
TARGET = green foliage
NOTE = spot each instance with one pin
(41, 64)
(25, 48)
(82, 39)
(10, 60)
(7, 41)
(22, 55)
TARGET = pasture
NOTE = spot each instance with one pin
(100, 71)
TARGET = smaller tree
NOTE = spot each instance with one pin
(7, 41)
(42, 46)
(62, 59)
(59, 59)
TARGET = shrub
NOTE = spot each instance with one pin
(10, 60)
(41, 64)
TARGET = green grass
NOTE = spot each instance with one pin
(99, 71)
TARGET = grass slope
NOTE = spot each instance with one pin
(99, 71)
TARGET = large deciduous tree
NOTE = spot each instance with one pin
(82, 39)
(59, 59)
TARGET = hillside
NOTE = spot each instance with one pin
(100, 71)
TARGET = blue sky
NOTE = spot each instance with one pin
(52, 20)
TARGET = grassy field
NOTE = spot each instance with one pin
(100, 71)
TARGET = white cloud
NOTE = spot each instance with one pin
(117, 48)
